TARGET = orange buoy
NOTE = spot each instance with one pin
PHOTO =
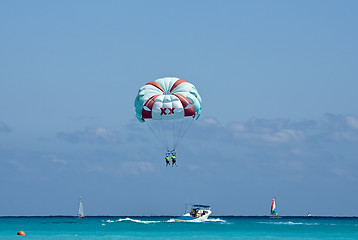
(22, 233)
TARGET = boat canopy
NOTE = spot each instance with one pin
(202, 206)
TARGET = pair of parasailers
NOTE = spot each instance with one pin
(174, 161)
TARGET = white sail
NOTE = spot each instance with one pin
(81, 213)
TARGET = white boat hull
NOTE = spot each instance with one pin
(188, 217)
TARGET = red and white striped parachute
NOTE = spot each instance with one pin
(168, 106)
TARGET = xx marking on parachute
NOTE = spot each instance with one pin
(171, 111)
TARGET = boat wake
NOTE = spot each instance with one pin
(199, 220)
(167, 221)
(288, 223)
(136, 220)
(215, 220)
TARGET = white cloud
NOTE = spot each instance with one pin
(282, 136)
(264, 133)
(236, 126)
(192, 167)
(283, 131)
(15, 163)
(207, 122)
(53, 158)
(346, 135)
(20, 166)
(90, 167)
(352, 122)
(210, 121)
(292, 164)
(104, 133)
(91, 135)
(298, 152)
(136, 168)
(340, 172)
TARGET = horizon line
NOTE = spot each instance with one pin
(249, 216)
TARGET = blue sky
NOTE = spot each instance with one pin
(278, 81)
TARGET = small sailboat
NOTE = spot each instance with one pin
(195, 212)
(80, 213)
(274, 213)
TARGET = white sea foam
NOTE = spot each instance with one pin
(135, 220)
(168, 221)
(289, 223)
(192, 221)
(215, 220)
(198, 220)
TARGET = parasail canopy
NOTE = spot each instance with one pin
(168, 106)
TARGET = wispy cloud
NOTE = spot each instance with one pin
(341, 172)
(4, 127)
(93, 167)
(280, 131)
(298, 148)
(262, 133)
(352, 122)
(91, 135)
(53, 158)
(193, 167)
(136, 168)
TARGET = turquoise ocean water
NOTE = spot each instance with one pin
(113, 228)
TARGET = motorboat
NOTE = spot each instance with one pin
(195, 212)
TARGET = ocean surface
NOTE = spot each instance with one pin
(113, 228)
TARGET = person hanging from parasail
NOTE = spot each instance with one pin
(167, 160)
(168, 106)
(174, 160)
